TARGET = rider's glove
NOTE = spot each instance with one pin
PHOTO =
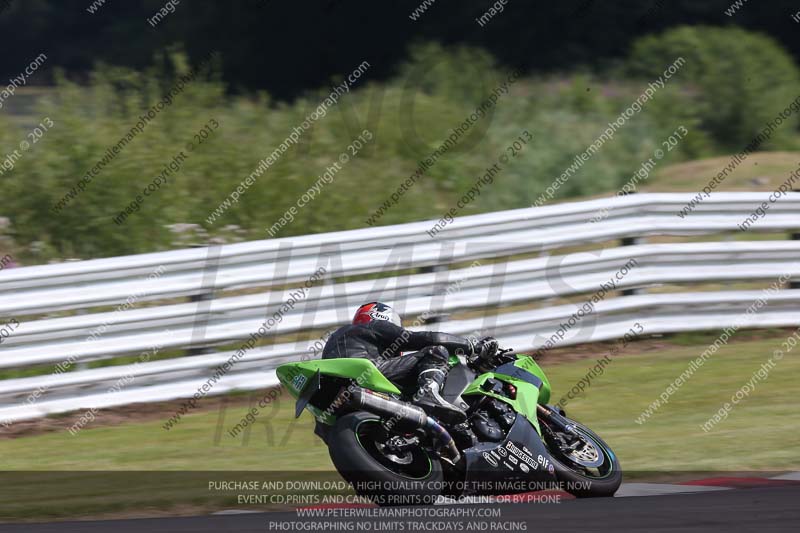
(486, 348)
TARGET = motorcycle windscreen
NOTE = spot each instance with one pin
(526, 362)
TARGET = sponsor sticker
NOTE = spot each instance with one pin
(489, 459)
(299, 382)
(545, 462)
(524, 457)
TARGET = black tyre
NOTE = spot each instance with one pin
(356, 444)
(592, 472)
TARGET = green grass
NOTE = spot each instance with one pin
(171, 469)
(763, 171)
(276, 442)
(752, 438)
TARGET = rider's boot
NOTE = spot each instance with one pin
(430, 384)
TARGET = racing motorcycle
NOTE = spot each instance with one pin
(393, 453)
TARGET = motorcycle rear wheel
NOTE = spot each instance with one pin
(356, 444)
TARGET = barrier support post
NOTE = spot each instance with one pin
(795, 283)
(795, 236)
(631, 241)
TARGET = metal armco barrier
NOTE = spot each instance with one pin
(123, 306)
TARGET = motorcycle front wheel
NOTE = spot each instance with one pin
(584, 465)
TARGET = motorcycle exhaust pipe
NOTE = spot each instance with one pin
(405, 415)
(398, 413)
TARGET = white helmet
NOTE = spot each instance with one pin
(376, 311)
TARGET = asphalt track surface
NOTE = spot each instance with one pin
(763, 510)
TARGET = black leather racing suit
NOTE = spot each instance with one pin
(382, 342)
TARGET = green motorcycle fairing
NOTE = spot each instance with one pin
(363, 371)
(295, 377)
(530, 391)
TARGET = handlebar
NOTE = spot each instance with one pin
(500, 357)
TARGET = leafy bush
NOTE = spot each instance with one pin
(741, 79)
(563, 114)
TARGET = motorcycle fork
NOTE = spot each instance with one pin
(561, 424)
(558, 422)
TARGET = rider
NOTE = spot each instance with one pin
(377, 334)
